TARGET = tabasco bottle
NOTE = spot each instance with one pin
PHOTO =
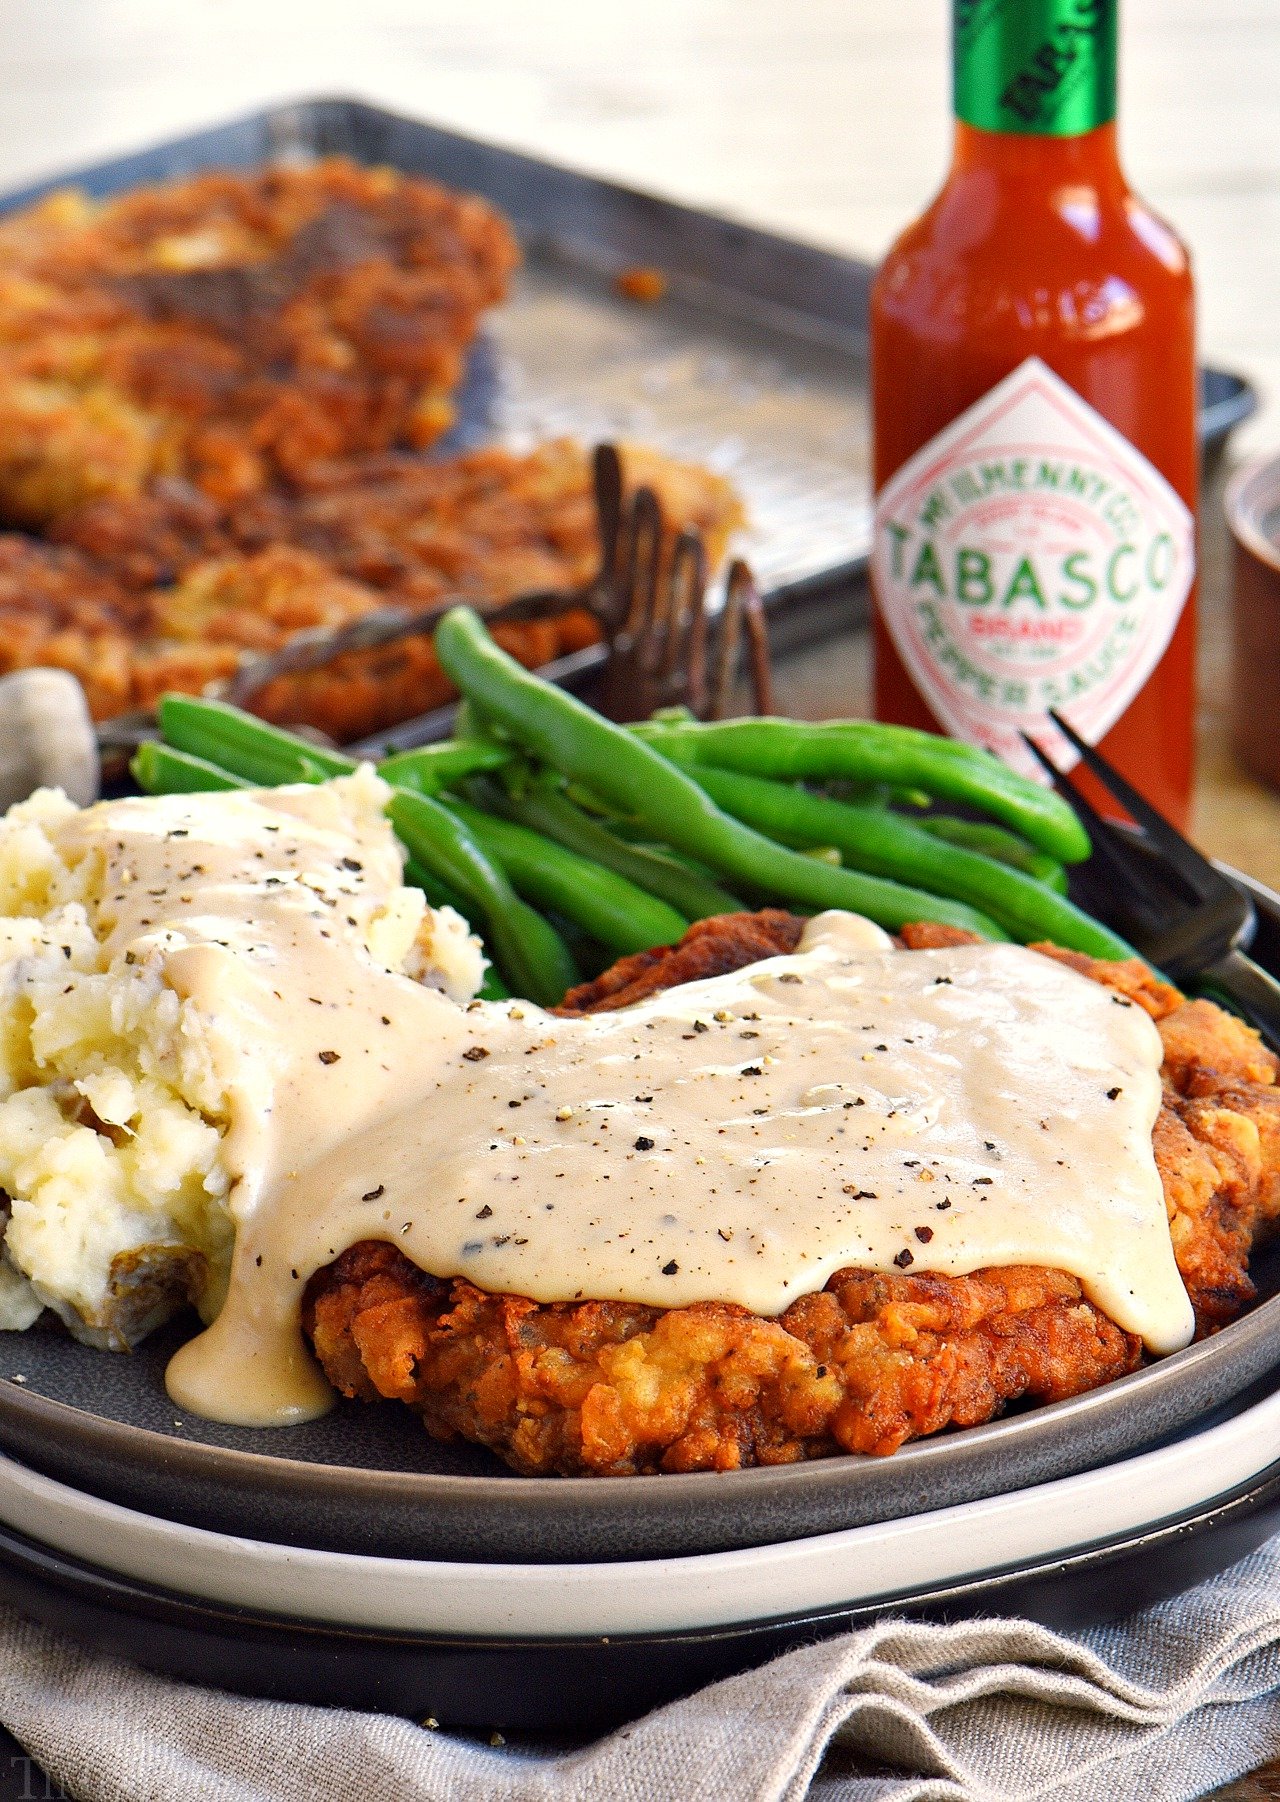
(1034, 398)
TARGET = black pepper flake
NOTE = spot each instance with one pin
(66, 951)
(350, 863)
(942, 1206)
(939, 980)
(375, 1194)
(386, 1019)
(752, 1070)
(988, 1144)
(924, 1234)
(644, 1097)
(258, 1261)
(513, 1104)
(670, 1269)
(329, 1057)
(1112, 1094)
(643, 1144)
(904, 1258)
(759, 1110)
(701, 1026)
(859, 1194)
(790, 976)
(821, 1371)
(980, 1182)
(1120, 1001)
(879, 1047)
(474, 1053)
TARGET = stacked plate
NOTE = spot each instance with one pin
(356, 1561)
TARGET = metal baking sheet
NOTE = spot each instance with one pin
(753, 362)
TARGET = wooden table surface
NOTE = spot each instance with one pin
(827, 119)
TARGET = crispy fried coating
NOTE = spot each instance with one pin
(612, 1389)
(869, 1362)
(712, 947)
(234, 329)
(216, 393)
(176, 589)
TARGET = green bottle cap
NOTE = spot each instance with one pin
(1044, 68)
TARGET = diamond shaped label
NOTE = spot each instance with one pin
(1029, 557)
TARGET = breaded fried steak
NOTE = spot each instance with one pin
(868, 1362)
(233, 329)
(168, 590)
(216, 400)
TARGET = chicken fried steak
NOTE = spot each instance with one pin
(234, 329)
(874, 1359)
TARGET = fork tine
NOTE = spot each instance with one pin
(728, 633)
(643, 545)
(606, 480)
(757, 631)
(1195, 870)
(686, 594)
(696, 671)
(1137, 890)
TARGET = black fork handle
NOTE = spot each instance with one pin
(1247, 989)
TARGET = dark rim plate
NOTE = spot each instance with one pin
(369, 1480)
(575, 1685)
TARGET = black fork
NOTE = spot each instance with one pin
(1174, 906)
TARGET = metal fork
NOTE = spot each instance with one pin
(667, 646)
(1174, 906)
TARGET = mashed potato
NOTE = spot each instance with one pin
(115, 1090)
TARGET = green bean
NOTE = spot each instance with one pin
(883, 842)
(611, 909)
(430, 768)
(635, 779)
(551, 813)
(530, 953)
(264, 755)
(160, 770)
(994, 841)
(865, 751)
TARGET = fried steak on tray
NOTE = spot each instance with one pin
(234, 328)
(215, 394)
(869, 1362)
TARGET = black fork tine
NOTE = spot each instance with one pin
(606, 483)
(686, 595)
(757, 631)
(1194, 869)
(1136, 890)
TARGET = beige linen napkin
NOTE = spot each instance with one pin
(1157, 1709)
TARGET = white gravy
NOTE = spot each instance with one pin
(737, 1139)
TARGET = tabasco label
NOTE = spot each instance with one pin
(1029, 557)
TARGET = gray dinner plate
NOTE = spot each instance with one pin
(369, 1479)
